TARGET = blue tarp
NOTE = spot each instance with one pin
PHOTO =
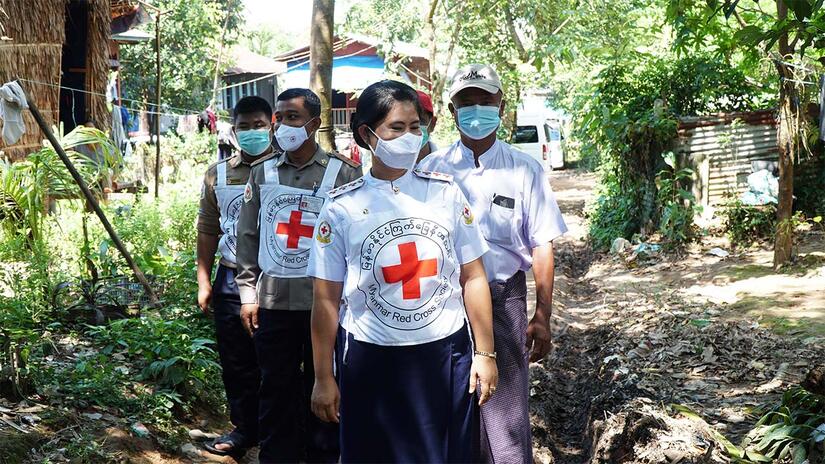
(348, 73)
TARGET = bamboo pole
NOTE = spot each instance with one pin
(153, 299)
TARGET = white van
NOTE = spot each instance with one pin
(540, 138)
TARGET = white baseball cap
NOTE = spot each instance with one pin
(481, 76)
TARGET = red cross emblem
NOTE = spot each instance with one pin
(410, 271)
(293, 229)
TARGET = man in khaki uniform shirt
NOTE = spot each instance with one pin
(220, 204)
(281, 204)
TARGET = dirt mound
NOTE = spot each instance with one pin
(641, 433)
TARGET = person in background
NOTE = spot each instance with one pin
(428, 121)
(519, 219)
(281, 204)
(220, 206)
(393, 254)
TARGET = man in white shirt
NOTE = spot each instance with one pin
(519, 218)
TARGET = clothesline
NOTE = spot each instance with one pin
(188, 112)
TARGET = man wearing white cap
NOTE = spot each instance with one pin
(519, 218)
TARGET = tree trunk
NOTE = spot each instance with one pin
(788, 113)
(433, 48)
(320, 66)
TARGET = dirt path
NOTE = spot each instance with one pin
(632, 339)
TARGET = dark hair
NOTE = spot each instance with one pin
(252, 104)
(311, 101)
(376, 102)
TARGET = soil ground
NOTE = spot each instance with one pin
(632, 338)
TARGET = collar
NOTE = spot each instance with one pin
(488, 155)
(320, 156)
(400, 183)
(237, 159)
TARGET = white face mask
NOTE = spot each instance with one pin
(290, 138)
(400, 152)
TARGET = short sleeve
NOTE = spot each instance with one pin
(469, 242)
(544, 220)
(209, 214)
(327, 257)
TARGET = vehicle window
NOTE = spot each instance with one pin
(526, 134)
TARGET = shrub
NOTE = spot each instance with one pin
(746, 225)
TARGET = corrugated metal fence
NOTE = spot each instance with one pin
(721, 148)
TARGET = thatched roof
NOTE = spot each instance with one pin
(34, 52)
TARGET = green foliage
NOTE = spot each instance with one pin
(169, 350)
(393, 20)
(697, 21)
(153, 369)
(792, 430)
(808, 189)
(629, 120)
(190, 39)
(746, 225)
(26, 186)
(677, 205)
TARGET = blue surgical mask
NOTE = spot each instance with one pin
(477, 122)
(425, 134)
(254, 142)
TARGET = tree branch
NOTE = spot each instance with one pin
(511, 28)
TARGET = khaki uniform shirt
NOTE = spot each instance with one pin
(271, 292)
(209, 212)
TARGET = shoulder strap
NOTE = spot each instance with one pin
(344, 159)
(220, 179)
(434, 175)
(331, 173)
(336, 192)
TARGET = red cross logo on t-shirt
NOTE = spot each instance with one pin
(294, 230)
(410, 271)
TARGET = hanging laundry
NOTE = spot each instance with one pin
(119, 137)
(12, 104)
(213, 121)
(187, 124)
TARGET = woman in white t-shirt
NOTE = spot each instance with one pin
(399, 283)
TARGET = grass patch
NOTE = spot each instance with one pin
(786, 326)
(748, 271)
(758, 304)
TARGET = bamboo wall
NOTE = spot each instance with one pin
(34, 52)
(97, 76)
(37, 32)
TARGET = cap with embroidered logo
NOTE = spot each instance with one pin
(481, 76)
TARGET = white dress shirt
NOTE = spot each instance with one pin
(512, 199)
(398, 248)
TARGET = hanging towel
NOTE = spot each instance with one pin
(118, 132)
(12, 104)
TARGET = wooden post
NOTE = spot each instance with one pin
(90, 198)
(320, 67)
(157, 103)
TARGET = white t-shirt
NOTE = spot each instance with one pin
(398, 248)
(510, 194)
